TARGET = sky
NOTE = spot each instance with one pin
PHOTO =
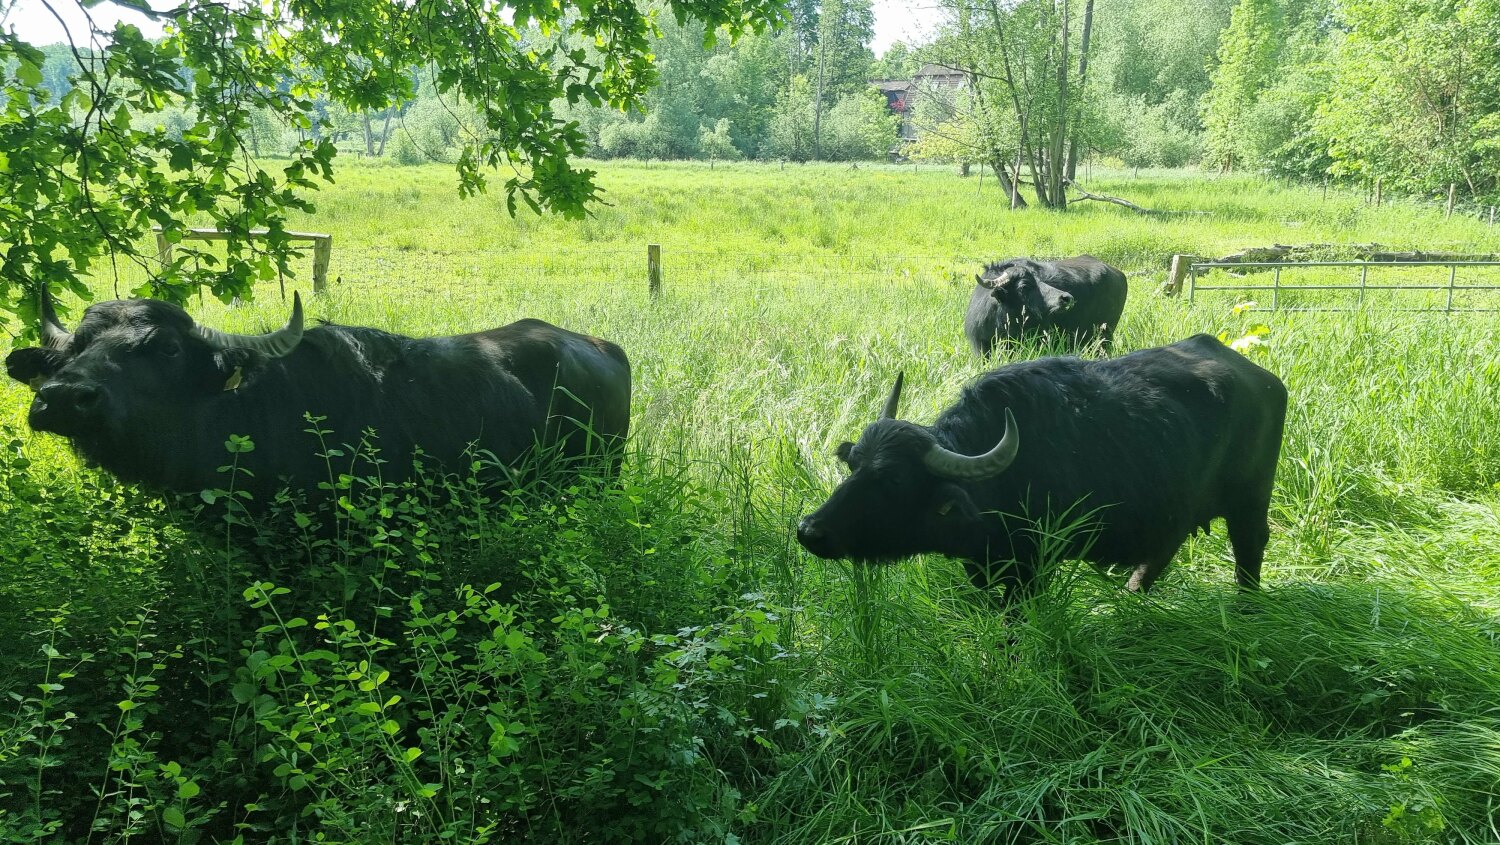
(895, 20)
(911, 21)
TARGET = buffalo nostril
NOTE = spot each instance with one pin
(85, 398)
(1066, 300)
(77, 398)
(808, 532)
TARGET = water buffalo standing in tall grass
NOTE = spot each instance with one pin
(1142, 450)
(1080, 298)
(144, 392)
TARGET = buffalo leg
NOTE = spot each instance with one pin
(1150, 568)
(1145, 574)
(1017, 578)
(1249, 533)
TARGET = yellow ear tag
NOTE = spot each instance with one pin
(234, 380)
(36, 383)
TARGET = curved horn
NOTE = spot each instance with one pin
(889, 412)
(947, 464)
(1001, 280)
(276, 344)
(53, 334)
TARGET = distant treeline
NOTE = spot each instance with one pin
(1353, 90)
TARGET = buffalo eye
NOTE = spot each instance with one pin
(169, 348)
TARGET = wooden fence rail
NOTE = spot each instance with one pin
(322, 248)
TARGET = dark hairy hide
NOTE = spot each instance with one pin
(169, 401)
(1027, 304)
(1152, 446)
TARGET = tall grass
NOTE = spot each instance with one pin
(662, 661)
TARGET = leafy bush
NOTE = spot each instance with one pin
(716, 142)
(1153, 135)
(412, 664)
(859, 127)
(792, 124)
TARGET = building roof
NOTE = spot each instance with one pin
(930, 70)
(892, 84)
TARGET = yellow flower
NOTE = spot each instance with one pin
(1242, 307)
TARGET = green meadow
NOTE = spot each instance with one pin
(656, 660)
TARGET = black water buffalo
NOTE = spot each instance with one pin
(144, 392)
(1080, 298)
(1150, 446)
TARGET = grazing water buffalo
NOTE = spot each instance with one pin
(144, 392)
(1082, 298)
(1153, 445)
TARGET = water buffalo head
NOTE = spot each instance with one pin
(133, 368)
(904, 493)
(1023, 294)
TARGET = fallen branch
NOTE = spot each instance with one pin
(1340, 252)
(1105, 198)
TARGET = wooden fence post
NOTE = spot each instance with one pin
(1492, 215)
(653, 269)
(164, 249)
(1178, 272)
(1377, 192)
(322, 252)
(1452, 187)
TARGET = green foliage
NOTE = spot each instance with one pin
(952, 138)
(1282, 132)
(1157, 50)
(860, 127)
(1246, 64)
(701, 87)
(84, 175)
(646, 139)
(792, 126)
(900, 61)
(1026, 88)
(1400, 91)
(841, 62)
(1153, 135)
(373, 694)
(1414, 94)
(716, 143)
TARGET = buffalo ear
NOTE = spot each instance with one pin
(843, 451)
(951, 503)
(229, 369)
(33, 365)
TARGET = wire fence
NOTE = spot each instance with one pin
(1472, 286)
(654, 270)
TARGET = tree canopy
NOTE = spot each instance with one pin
(86, 172)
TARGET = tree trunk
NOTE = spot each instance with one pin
(1041, 181)
(1057, 155)
(385, 131)
(1015, 190)
(1083, 78)
(369, 135)
(1012, 191)
(818, 103)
